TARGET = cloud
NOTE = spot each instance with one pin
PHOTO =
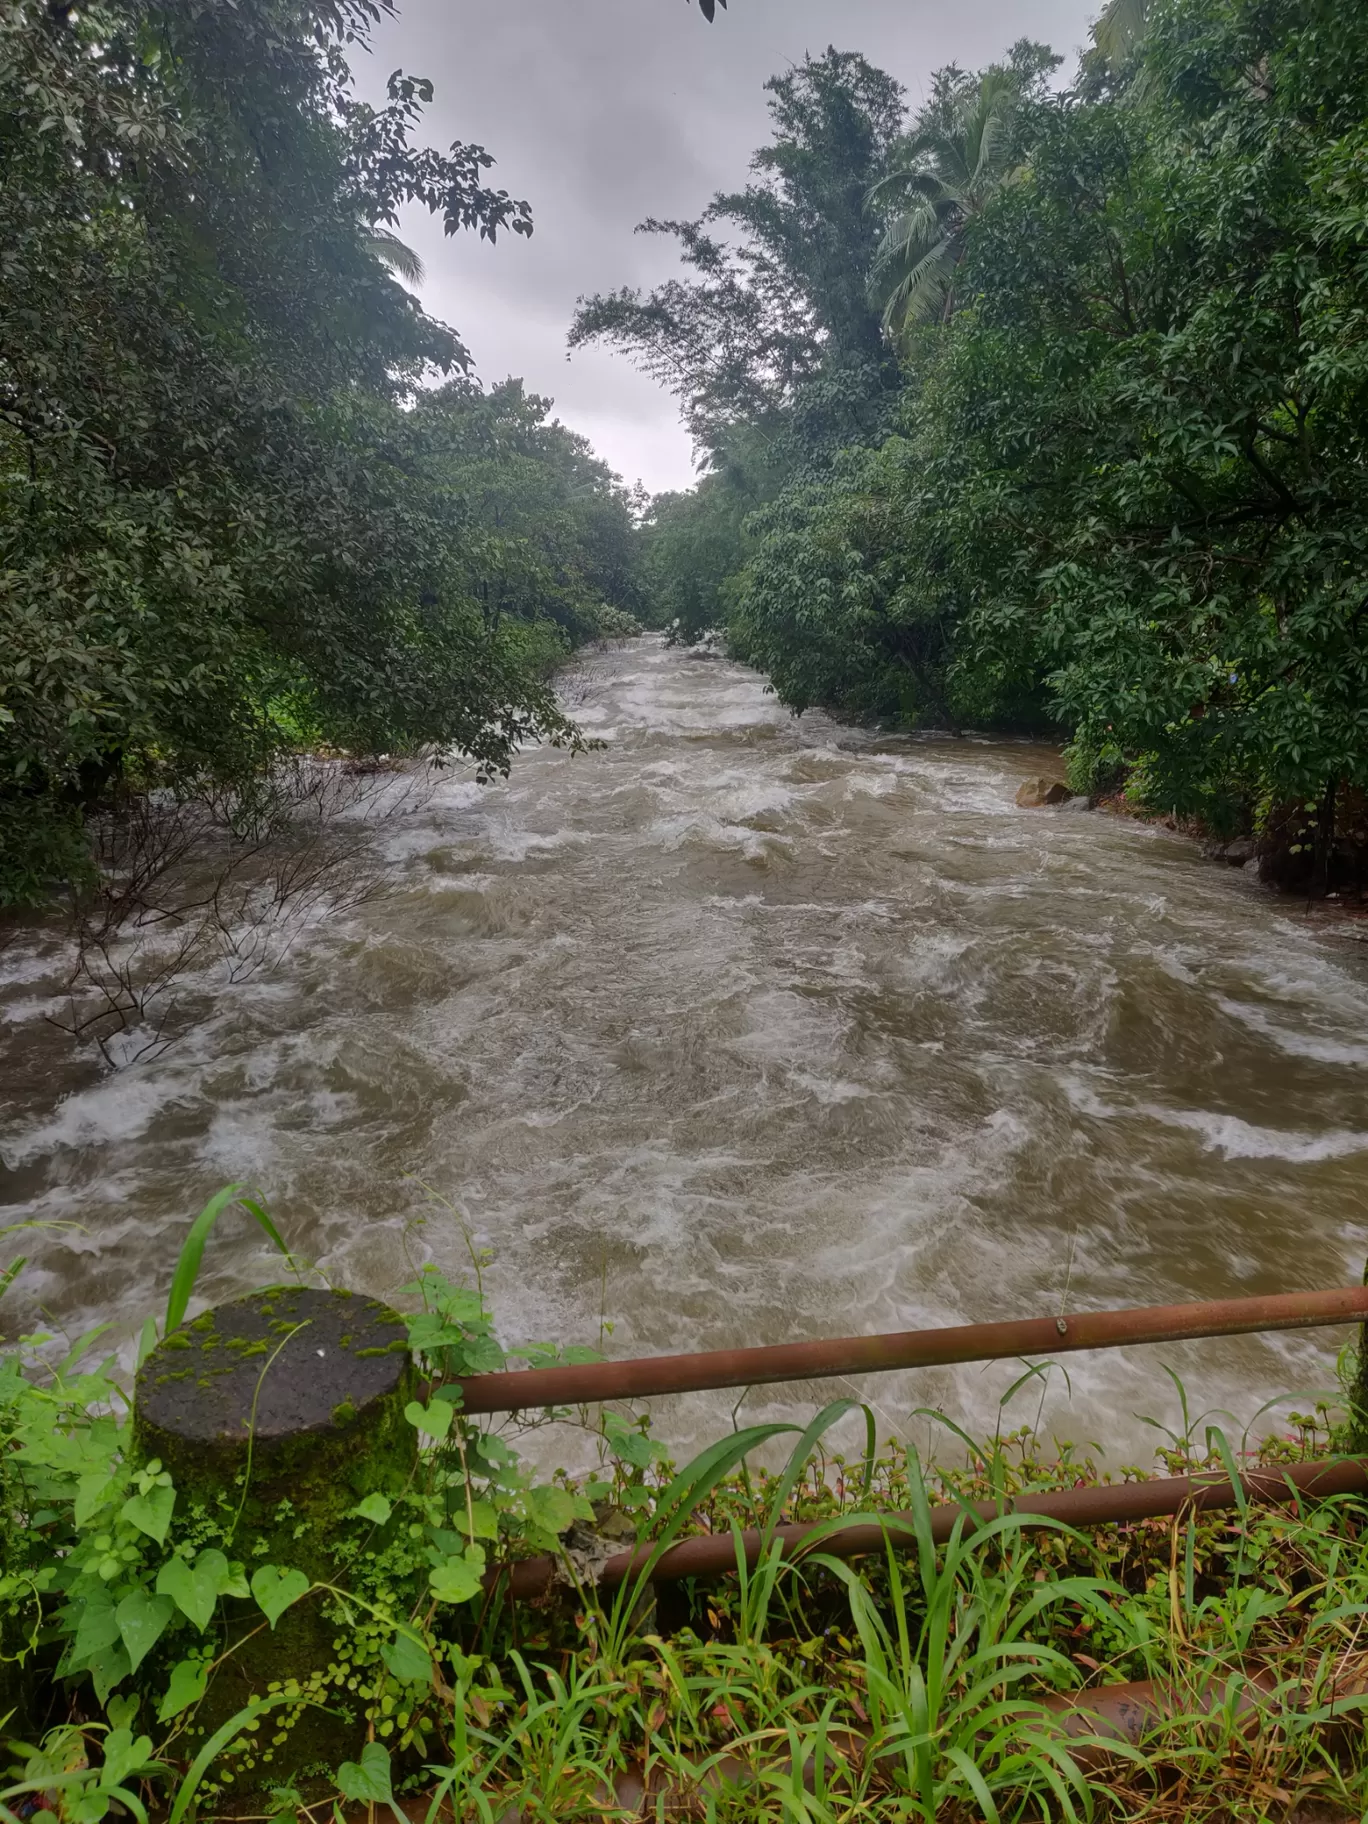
(601, 112)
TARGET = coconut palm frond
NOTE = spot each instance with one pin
(1120, 27)
(901, 186)
(941, 179)
(392, 252)
(925, 290)
(909, 237)
(996, 118)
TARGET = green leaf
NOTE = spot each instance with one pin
(92, 1492)
(123, 1754)
(408, 1659)
(551, 1508)
(142, 1622)
(151, 1513)
(108, 1669)
(186, 1687)
(456, 1579)
(195, 1589)
(480, 1521)
(482, 1355)
(97, 1628)
(120, 1711)
(192, 1249)
(369, 1780)
(275, 1590)
(434, 1420)
(374, 1507)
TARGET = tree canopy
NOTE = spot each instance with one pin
(223, 528)
(1120, 489)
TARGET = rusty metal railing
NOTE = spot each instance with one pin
(1096, 1504)
(590, 1383)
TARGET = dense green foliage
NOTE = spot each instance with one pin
(222, 528)
(1123, 487)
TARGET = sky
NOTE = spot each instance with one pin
(602, 112)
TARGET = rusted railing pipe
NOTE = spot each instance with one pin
(591, 1382)
(714, 1554)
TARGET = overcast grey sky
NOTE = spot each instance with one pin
(601, 112)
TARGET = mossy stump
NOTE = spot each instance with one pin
(276, 1415)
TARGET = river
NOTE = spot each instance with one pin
(744, 1028)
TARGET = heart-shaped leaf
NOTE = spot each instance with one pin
(456, 1579)
(188, 1679)
(120, 1711)
(552, 1508)
(151, 1513)
(434, 1420)
(97, 1628)
(480, 1520)
(368, 1780)
(408, 1659)
(108, 1668)
(142, 1622)
(92, 1492)
(374, 1507)
(275, 1590)
(195, 1588)
(123, 1754)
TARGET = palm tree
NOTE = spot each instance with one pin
(944, 176)
(1120, 28)
(392, 252)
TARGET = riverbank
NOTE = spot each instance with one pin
(1203, 1667)
(1339, 910)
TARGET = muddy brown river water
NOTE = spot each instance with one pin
(744, 1029)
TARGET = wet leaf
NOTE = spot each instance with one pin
(275, 1590)
(455, 1579)
(195, 1588)
(142, 1622)
(151, 1513)
(434, 1420)
(367, 1781)
(408, 1659)
(188, 1680)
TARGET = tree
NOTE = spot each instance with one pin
(694, 542)
(778, 305)
(549, 535)
(966, 142)
(215, 535)
(943, 179)
(1159, 397)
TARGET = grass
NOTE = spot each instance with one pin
(910, 1685)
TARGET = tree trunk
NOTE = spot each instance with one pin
(1325, 841)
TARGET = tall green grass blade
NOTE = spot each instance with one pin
(192, 1250)
(690, 1488)
(800, 1456)
(80, 1347)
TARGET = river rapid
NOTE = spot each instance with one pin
(746, 1028)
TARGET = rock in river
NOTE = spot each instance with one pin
(1032, 794)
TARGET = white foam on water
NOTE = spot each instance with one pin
(118, 1109)
(1236, 1139)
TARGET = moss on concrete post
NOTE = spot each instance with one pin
(276, 1415)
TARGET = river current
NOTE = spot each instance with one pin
(744, 1028)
